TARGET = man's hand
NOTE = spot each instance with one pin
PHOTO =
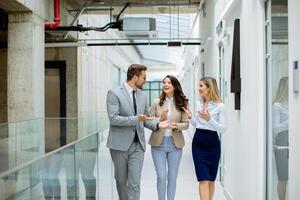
(163, 124)
(173, 126)
(144, 118)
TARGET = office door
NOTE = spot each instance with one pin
(277, 99)
(55, 135)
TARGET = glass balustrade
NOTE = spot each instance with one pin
(63, 158)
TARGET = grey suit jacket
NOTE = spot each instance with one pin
(122, 120)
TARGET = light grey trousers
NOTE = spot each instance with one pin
(128, 168)
(166, 160)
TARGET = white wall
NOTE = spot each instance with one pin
(209, 54)
(189, 67)
(244, 141)
(294, 102)
(94, 67)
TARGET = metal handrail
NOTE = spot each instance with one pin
(33, 119)
(45, 155)
(19, 121)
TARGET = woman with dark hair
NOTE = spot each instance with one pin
(166, 144)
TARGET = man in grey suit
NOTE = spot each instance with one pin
(128, 114)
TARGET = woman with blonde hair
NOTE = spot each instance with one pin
(209, 122)
(281, 135)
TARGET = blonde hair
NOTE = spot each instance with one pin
(213, 91)
(282, 90)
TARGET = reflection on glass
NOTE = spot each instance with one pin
(280, 132)
(50, 169)
(85, 164)
(68, 173)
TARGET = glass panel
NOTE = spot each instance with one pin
(86, 152)
(160, 85)
(280, 119)
(152, 90)
(24, 141)
(146, 86)
(52, 173)
(154, 95)
(16, 185)
(155, 86)
(35, 181)
(69, 173)
(4, 148)
(20, 142)
(105, 181)
(277, 70)
(30, 140)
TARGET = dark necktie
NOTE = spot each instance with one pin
(134, 101)
(136, 138)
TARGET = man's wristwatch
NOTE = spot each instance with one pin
(157, 126)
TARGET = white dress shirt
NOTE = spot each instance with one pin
(168, 103)
(217, 117)
(129, 90)
(280, 117)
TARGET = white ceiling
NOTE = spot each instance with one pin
(170, 27)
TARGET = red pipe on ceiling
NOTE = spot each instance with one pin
(56, 20)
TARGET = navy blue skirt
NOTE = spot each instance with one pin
(281, 156)
(206, 151)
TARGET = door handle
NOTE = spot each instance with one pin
(281, 147)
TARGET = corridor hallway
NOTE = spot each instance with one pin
(65, 55)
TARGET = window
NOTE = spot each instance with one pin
(153, 90)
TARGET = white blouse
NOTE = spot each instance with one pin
(280, 117)
(217, 117)
(168, 103)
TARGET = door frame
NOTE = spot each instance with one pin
(61, 65)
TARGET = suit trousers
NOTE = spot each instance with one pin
(128, 168)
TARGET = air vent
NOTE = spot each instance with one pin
(138, 24)
(140, 34)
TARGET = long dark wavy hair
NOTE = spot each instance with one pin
(179, 97)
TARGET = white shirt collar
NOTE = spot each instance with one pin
(169, 99)
(210, 102)
(129, 89)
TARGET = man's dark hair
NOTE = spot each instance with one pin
(135, 69)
